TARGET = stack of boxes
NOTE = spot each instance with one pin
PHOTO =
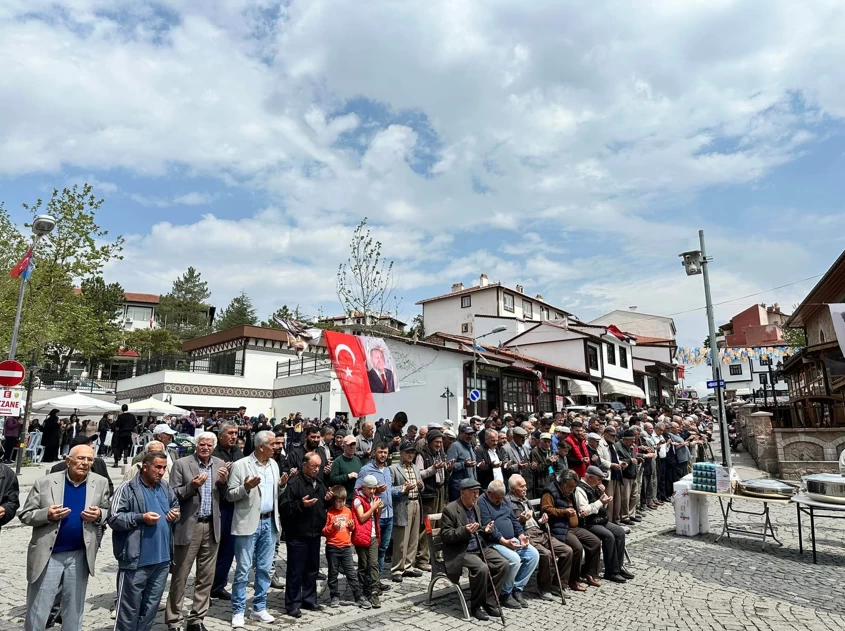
(704, 477)
(710, 477)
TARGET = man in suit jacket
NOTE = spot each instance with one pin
(196, 535)
(406, 513)
(254, 488)
(462, 534)
(381, 377)
(65, 510)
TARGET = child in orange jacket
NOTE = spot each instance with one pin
(340, 522)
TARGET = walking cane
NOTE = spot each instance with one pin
(490, 575)
(554, 564)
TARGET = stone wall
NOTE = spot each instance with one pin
(807, 450)
(755, 430)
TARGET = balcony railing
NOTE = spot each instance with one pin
(302, 366)
(212, 365)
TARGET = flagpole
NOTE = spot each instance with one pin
(14, 344)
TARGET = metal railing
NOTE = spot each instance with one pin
(302, 366)
(213, 365)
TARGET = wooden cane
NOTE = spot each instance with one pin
(490, 574)
(554, 564)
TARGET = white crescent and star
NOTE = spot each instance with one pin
(338, 350)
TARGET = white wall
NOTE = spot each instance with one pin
(638, 323)
(485, 325)
(616, 371)
(446, 314)
(567, 353)
(654, 353)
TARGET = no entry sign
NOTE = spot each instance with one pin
(11, 373)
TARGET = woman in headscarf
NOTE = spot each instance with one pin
(51, 436)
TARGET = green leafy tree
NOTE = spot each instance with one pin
(152, 342)
(184, 311)
(240, 312)
(417, 330)
(76, 250)
(92, 330)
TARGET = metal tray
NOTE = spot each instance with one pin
(774, 489)
(826, 487)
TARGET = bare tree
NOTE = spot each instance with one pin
(365, 282)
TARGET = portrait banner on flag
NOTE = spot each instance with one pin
(350, 365)
(381, 369)
(837, 314)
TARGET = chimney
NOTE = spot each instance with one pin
(483, 282)
(539, 296)
(457, 287)
(520, 289)
(632, 308)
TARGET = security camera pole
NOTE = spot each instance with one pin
(695, 263)
(42, 225)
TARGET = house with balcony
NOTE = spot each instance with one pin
(477, 310)
(352, 322)
(655, 370)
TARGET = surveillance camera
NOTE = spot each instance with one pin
(43, 225)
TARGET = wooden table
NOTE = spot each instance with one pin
(807, 505)
(726, 501)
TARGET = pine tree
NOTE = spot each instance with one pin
(240, 312)
(184, 311)
(284, 313)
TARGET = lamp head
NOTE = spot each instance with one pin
(499, 329)
(43, 225)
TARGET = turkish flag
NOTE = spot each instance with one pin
(350, 366)
(614, 330)
(681, 370)
(22, 268)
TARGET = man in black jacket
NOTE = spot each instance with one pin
(303, 509)
(297, 452)
(9, 501)
(124, 425)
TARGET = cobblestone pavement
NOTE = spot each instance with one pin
(681, 583)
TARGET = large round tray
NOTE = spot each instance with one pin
(773, 489)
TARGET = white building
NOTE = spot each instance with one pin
(354, 321)
(749, 376)
(457, 311)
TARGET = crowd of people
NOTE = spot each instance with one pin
(512, 496)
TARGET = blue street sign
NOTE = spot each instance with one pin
(712, 385)
(474, 395)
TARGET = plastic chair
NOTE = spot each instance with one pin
(34, 448)
(139, 442)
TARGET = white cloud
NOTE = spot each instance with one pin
(583, 129)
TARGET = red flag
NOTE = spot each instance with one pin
(23, 265)
(350, 365)
(681, 370)
(614, 330)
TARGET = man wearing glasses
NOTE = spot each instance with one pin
(64, 510)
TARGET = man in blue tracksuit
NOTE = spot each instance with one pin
(141, 516)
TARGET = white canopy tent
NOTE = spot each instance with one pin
(155, 407)
(577, 387)
(76, 404)
(612, 386)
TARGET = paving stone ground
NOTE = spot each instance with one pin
(681, 584)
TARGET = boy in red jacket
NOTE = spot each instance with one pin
(340, 523)
(367, 507)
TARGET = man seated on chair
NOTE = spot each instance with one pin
(463, 535)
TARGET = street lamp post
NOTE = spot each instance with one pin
(498, 329)
(321, 404)
(447, 394)
(696, 262)
(42, 225)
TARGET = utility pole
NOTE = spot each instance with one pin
(695, 263)
(23, 432)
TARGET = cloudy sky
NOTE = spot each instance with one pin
(572, 147)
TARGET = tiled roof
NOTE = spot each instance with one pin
(462, 292)
(145, 298)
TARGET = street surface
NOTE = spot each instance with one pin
(681, 584)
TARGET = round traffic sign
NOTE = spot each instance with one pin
(11, 373)
(474, 395)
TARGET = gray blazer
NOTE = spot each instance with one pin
(248, 502)
(184, 470)
(400, 501)
(50, 490)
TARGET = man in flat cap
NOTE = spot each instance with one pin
(463, 536)
(591, 503)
